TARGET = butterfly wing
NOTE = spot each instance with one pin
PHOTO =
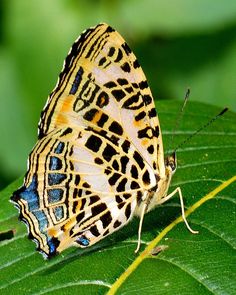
(103, 85)
(99, 147)
(81, 186)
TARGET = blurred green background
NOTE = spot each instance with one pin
(180, 44)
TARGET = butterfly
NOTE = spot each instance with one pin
(99, 158)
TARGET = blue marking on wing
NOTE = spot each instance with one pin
(52, 246)
(82, 240)
(56, 178)
(59, 212)
(53, 243)
(60, 147)
(55, 163)
(54, 195)
(30, 195)
(42, 219)
(77, 81)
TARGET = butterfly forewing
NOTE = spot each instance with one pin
(99, 147)
(103, 85)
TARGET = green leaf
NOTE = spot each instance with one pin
(188, 264)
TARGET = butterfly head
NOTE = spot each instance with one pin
(171, 163)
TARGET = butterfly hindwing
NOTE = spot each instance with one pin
(81, 186)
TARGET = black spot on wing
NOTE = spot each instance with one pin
(74, 207)
(134, 172)
(152, 113)
(126, 67)
(103, 119)
(110, 29)
(150, 149)
(115, 165)
(136, 64)
(86, 185)
(146, 133)
(107, 171)
(121, 205)
(127, 196)
(102, 100)
(121, 185)
(77, 179)
(128, 211)
(109, 152)
(156, 132)
(93, 199)
(118, 199)
(122, 81)
(118, 94)
(113, 179)
(89, 115)
(115, 127)
(131, 101)
(110, 84)
(102, 61)
(67, 131)
(140, 116)
(98, 161)
(106, 232)
(125, 146)
(93, 143)
(126, 48)
(111, 51)
(117, 223)
(146, 177)
(139, 159)
(94, 230)
(106, 219)
(98, 209)
(124, 161)
(129, 89)
(80, 216)
(147, 99)
(143, 84)
(119, 56)
(134, 185)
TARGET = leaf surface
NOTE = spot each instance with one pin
(200, 264)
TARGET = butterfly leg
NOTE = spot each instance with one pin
(140, 227)
(178, 190)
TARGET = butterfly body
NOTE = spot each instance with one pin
(99, 158)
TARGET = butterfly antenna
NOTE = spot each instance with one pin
(201, 128)
(179, 116)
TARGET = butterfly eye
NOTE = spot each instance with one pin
(172, 166)
(171, 162)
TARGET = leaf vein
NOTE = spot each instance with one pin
(71, 284)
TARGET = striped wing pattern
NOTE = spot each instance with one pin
(99, 147)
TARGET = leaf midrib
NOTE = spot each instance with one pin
(143, 255)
